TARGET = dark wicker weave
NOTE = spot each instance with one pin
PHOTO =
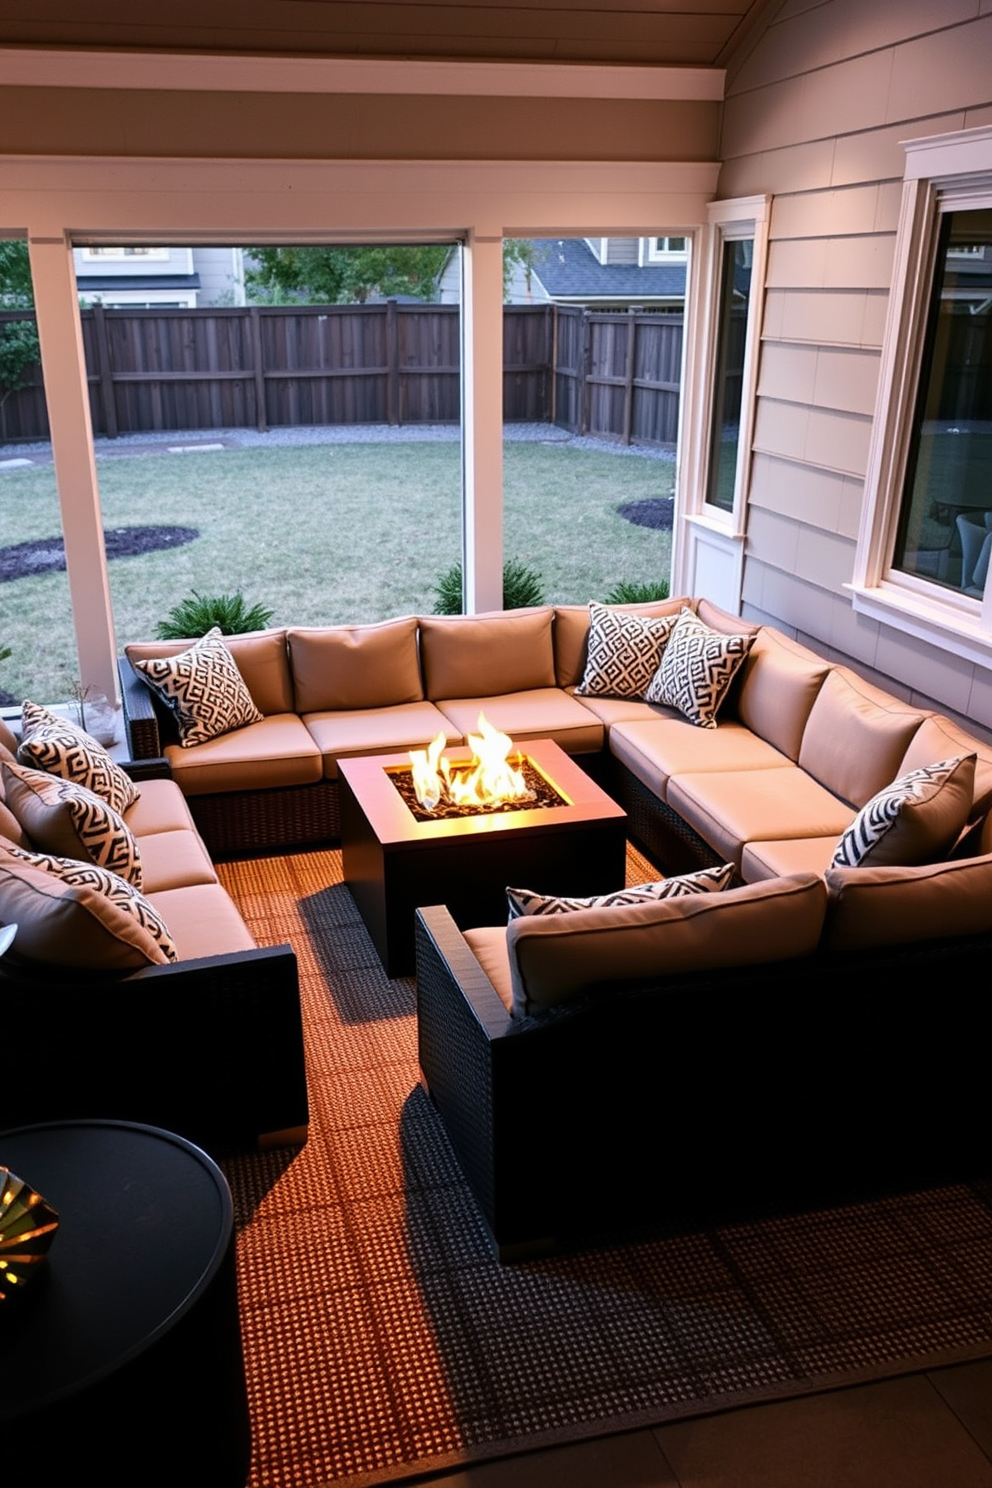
(668, 840)
(705, 1096)
(210, 1049)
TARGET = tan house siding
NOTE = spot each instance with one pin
(815, 116)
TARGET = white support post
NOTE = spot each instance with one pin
(482, 423)
(64, 369)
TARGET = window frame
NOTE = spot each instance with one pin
(943, 173)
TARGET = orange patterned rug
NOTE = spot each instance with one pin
(382, 1341)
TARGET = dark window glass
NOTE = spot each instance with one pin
(725, 427)
(945, 525)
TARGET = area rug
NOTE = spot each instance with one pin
(383, 1341)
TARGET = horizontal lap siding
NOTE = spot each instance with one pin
(815, 117)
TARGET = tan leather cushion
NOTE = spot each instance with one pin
(571, 634)
(937, 738)
(892, 906)
(554, 958)
(488, 946)
(161, 807)
(343, 735)
(8, 741)
(276, 751)
(355, 666)
(856, 737)
(170, 860)
(67, 924)
(544, 713)
(465, 656)
(261, 658)
(795, 855)
(776, 689)
(203, 921)
(658, 749)
(729, 810)
(722, 620)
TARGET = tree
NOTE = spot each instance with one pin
(19, 349)
(342, 276)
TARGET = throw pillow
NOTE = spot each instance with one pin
(61, 817)
(706, 881)
(697, 667)
(916, 819)
(204, 689)
(624, 651)
(101, 884)
(54, 744)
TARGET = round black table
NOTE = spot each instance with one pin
(123, 1358)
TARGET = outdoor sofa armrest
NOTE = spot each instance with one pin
(141, 721)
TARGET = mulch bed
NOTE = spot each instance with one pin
(655, 511)
(47, 554)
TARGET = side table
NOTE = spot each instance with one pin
(123, 1357)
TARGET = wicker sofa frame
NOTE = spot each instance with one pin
(710, 1095)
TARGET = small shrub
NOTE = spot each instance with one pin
(637, 593)
(522, 587)
(198, 613)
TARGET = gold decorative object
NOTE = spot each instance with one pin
(27, 1229)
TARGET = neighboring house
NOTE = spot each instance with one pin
(601, 273)
(159, 278)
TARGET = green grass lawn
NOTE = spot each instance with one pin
(321, 534)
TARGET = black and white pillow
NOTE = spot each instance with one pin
(697, 667)
(705, 881)
(70, 821)
(624, 651)
(204, 689)
(103, 884)
(916, 819)
(57, 746)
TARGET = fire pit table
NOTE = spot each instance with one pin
(395, 862)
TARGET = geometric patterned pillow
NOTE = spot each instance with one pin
(70, 821)
(109, 886)
(697, 667)
(705, 881)
(58, 746)
(204, 689)
(624, 651)
(916, 819)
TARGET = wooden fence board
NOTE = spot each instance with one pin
(613, 375)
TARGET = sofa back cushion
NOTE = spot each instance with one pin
(466, 656)
(261, 659)
(938, 738)
(8, 742)
(554, 958)
(777, 686)
(856, 737)
(344, 667)
(869, 907)
(571, 633)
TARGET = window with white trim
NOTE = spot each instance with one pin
(663, 250)
(926, 533)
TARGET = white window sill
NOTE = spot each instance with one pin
(944, 625)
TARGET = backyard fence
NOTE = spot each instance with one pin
(615, 375)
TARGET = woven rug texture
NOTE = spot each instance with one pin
(383, 1341)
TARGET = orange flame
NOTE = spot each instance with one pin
(489, 779)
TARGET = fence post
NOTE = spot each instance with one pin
(628, 377)
(255, 326)
(585, 372)
(105, 378)
(392, 363)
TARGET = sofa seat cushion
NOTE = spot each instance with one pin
(203, 921)
(870, 907)
(610, 710)
(776, 688)
(70, 913)
(274, 751)
(657, 749)
(538, 713)
(394, 730)
(204, 689)
(554, 958)
(161, 807)
(170, 860)
(488, 946)
(355, 666)
(733, 808)
(472, 655)
(793, 855)
(856, 737)
(261, 657)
